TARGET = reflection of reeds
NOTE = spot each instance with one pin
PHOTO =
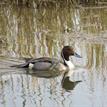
(93, 20)
(47, 2)
(26, 90)
(35, 32)
(95, 55)
(21, 27)
(90, 56)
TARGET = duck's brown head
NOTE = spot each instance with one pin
(68, 51)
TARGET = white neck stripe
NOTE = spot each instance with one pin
(70, 64)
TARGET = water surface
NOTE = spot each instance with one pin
(31, 32)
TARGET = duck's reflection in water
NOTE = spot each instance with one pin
(44, 74)
(67, 84)
(69, 80)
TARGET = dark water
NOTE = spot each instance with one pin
(29, 32)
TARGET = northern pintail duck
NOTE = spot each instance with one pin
(46, 63)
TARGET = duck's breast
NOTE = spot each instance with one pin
(60, 67)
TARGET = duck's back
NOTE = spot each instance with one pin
(43, 63)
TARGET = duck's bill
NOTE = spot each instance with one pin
(77, 55)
